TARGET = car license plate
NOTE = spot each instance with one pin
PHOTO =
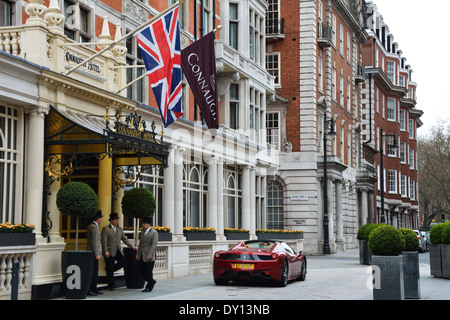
(243, 266)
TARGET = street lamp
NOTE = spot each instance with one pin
(332, 132)
(393, 146)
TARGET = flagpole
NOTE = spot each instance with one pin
(132, 82)
(112, 44)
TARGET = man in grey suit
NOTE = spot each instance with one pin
(112, 236)
(146, 254)
(94, 245)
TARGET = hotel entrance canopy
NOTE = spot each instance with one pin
(124, 139)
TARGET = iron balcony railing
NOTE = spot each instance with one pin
(274, 26)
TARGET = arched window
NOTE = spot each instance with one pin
(274, 218)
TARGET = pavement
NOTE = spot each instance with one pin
(337, 276)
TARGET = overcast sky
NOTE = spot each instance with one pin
(421, 29)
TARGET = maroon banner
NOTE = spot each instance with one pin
(198, 62)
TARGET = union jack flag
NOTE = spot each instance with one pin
(160, 48)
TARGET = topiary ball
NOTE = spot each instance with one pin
(411, 240)
(386, 240)
(77, 199)
(436, 233)
(445, 237)
(361, 232)
(138, 203)
(369, 229)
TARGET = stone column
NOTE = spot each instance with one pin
(34, 165)
(220, 216)
(178, 195)
(246, 197)
(169, 192)
(212, 194)
(252, 203)
(339, 216)
(364, 206)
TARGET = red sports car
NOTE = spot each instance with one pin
(259, 259)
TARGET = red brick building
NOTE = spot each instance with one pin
(390, 122)
(315, 53)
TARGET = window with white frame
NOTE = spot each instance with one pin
(152, 178)
(333, 30)
(273, 23)
(232, 197)
(195, 194)
(275, 215)
(273, 129)
(320, 73)
(392, 178)
(349, 46)
(11, 137)
(411, 158)
(341, 40)
(257, 115)
(403, 186)
(273, 66)
(401, 81)
(207, 17)
(136, 69)
(341, 91)
(234, 25)
(234, 106)
(412, 190)
(256, 36)
(333, 84)
(403, 152)
(402, 119)
(77, 23)
(391, 109)
(6, 13)
(411, 128)
(391, 71)
(349, 97)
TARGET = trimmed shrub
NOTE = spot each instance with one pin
(411, 240)
(77, 199)
(138, 203)
(436, 233)
(361, 232)
(385, 240)
(445, 238)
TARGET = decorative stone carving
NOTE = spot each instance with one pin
(35, 8)
(119, 49)
(54, 17)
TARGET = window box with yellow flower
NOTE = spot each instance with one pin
(17, 235)
(236, 234)
(199, 234)
(264, 234)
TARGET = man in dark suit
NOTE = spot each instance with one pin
(112, 236)
(94, 245)
(146, 254)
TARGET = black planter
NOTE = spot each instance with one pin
(237, 236)
(445, 256)
(411, 274)
(164, 236)
(388, 278)
(436, 260)
(133, 276)
(17, 239)
(76, 270)
(200, 236)
(365, 256)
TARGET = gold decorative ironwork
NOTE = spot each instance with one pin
(54, 160)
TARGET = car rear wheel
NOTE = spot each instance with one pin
(284, 275)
